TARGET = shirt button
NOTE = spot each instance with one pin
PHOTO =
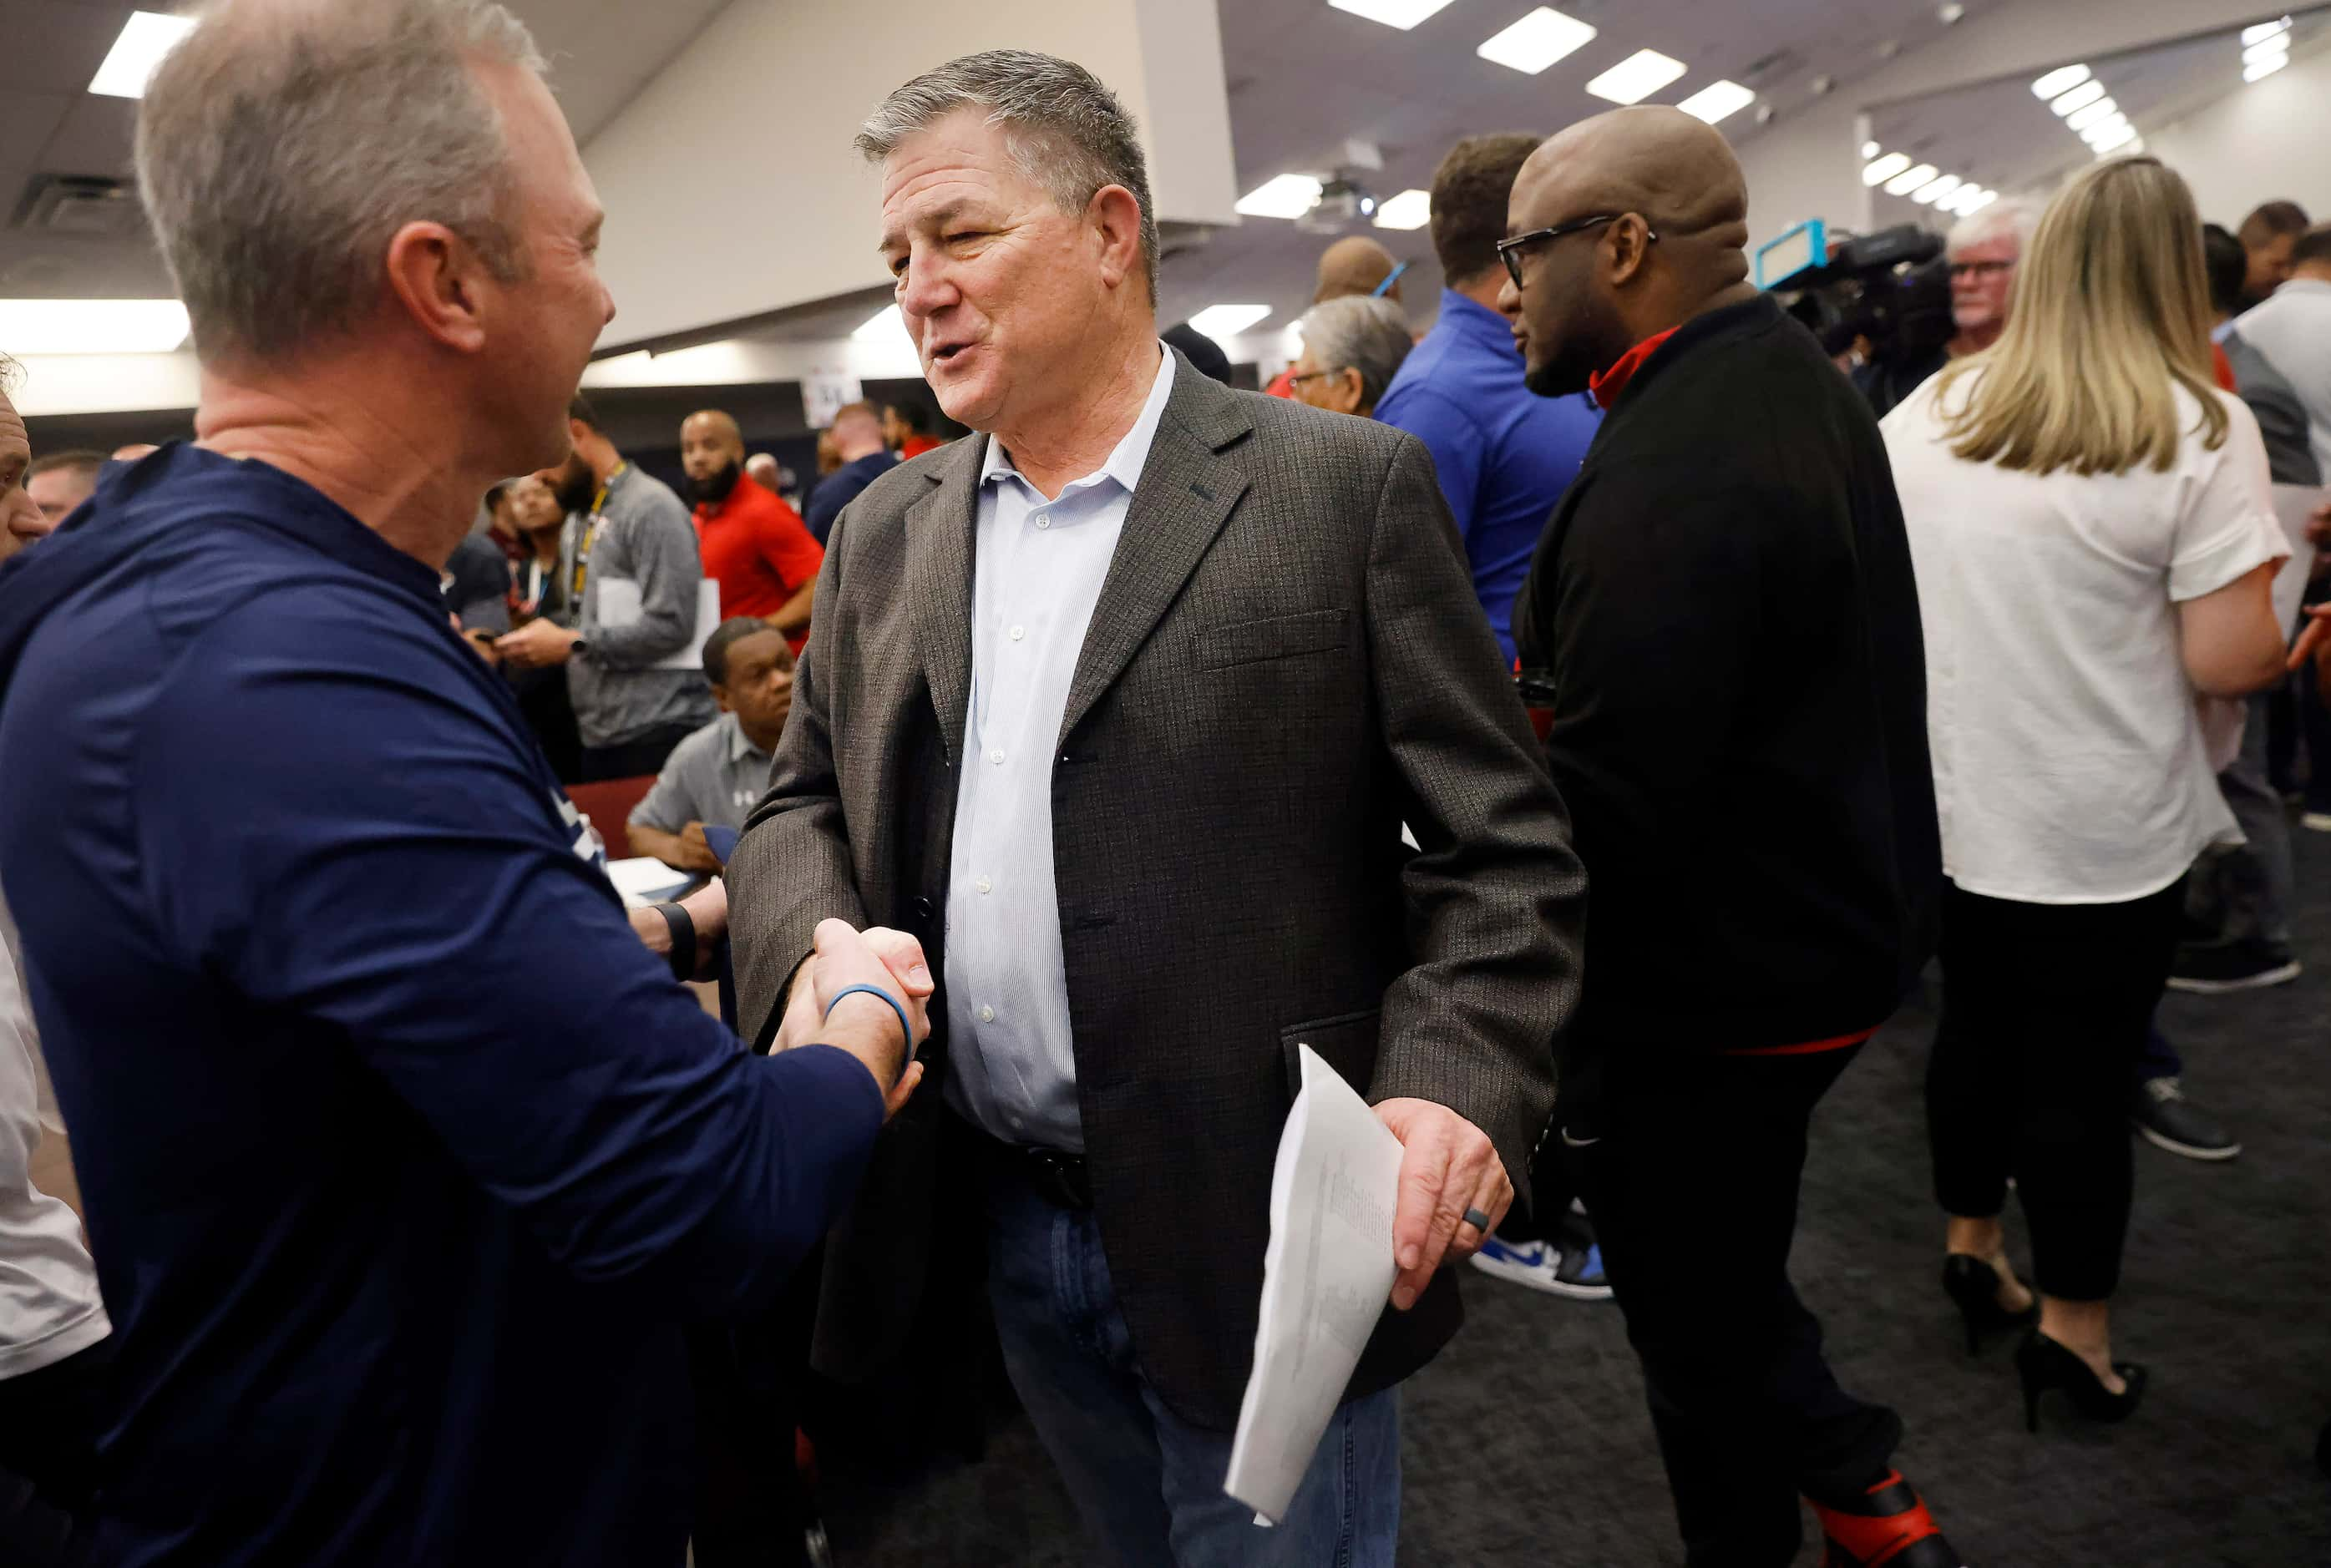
(1043, 522)
(1017, 632)
(983, 885)
(987, 1015)
(996, 758)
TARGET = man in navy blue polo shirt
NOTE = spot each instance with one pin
(404, 1161)
(1503, 456)
(857, 432)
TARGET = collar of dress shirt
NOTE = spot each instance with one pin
(1132, 451)
(741, 745)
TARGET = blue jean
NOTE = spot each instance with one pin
(1149, 1484)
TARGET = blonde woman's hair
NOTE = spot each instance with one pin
(2109, 315)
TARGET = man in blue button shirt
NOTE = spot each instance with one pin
(1502, 455)
(405, 1162)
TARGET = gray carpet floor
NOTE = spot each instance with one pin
(1526, 1441)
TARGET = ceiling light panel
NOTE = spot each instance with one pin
(2264, 68)
(2278, 44)
(1885, 168)
(1976, 203)
(129, 64)
(1717, 100)
(2081, 97)
(1909, 180)
(93, 326)
(2079, 119)
(1637, 77)
(2264, 29)
(1409, 210)
(1537, 41)
(1401, 14)
(1286, 196)
(1221, 321)
(1936, 189)
(2062, 80)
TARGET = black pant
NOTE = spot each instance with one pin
(542, 698)
(751, 1510)
(635, 758)
(48, 1421)
(2043, 1007)
(1693, 1187)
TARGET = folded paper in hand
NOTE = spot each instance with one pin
(1326, 1278)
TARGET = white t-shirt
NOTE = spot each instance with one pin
(2069, 761)
(49, 1303)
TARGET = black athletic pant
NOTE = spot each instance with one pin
(2043, 1007)
(48, 1421)
(1693, 1186)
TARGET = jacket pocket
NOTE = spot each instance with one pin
(1273, 637)
(1347, 1043)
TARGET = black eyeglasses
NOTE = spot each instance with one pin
(1509, 252)
(1294, 380)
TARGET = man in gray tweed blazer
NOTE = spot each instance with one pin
(1119, 707)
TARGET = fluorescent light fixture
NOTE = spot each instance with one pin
(1537, 41)
(1936, 189)
(2263, 31)
(2105, 130)
(1883, 169)
(93, 326)
(2278, 44)
(1637, 77)
(2263, 68)
(1284, 196)
(2120, 135)
(883, 323)
(1976, 203)
(1909, 180)
(2079, 119)
(1221, 321)
(1718, 99)
(1401, 14)
(2081, 97)
(1409, 210)
(129, 64)
(1960, 199)
(1869, 149)
(2062, 80)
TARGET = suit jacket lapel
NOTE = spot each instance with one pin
(1185, 495)
(940, 533)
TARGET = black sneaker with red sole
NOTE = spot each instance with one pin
(1889, 1524)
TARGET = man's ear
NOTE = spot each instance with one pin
(1630, 242)
(436, 280)
(1118, 218)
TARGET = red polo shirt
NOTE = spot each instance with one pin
(757, 549)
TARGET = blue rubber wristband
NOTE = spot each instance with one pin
(905, 1029)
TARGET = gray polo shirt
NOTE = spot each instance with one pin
(716, 776)
(642, 538)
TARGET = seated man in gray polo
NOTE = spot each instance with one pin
(714, 776)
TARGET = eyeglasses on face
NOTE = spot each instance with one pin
(1299, 378)
(1511, 250)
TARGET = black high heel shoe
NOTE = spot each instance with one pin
(1973, 1284)
(2042, 1364)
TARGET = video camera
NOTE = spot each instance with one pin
(1892, 289)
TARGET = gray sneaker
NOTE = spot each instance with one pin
(2166, 1119)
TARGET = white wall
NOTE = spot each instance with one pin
(2266, 141)
(1809, 164)
(730, 187)
(106, 383)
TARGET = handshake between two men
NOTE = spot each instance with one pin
(866, 992)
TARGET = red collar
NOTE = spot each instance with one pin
(1607, 386)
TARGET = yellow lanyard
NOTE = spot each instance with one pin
(591, 535)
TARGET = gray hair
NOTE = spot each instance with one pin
(282, 145)
(2015, 216)
(11, 374)
(1067, 133)
(1362, 333)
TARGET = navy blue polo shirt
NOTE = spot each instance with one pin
(404, 1162)
(1503, 454)
(842, 487)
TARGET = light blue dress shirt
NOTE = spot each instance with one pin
(1038, 571)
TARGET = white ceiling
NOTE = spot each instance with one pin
(1999, 135)
(601, 52)
(1302, 78)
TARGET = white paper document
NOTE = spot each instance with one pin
(643, 880)
(1326, 1278)
(619, 605)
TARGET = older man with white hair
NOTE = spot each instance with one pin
(407, 1162)
(1125, 700)
(1351, 348)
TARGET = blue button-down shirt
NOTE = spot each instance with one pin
(1011, 1063)
(1503, 454)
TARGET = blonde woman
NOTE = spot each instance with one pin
(2089, 520)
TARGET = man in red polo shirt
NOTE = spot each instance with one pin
(753, 543)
